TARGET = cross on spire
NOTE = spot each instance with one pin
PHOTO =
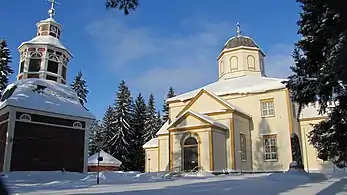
(51, 11)
(238, 29)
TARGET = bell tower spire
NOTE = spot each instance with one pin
(44, 56)
(51, 12)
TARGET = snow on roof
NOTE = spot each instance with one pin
(151, 143)
(107, 159)
(56, 97)
(163, 130)
(201, 116)
(46, 40)
(50, 20)
(310, 111)
(239, 85)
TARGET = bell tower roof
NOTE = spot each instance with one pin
(44, 56)
(240, 56)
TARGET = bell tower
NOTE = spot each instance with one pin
(240, 56)
(44, 56)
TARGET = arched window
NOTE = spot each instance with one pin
(190, 154)
(77, 124)
(25, 117)
(251, 62)
(221, 68)
(233, 63)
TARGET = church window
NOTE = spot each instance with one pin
(33, 76)
(270, 147)
(44, 27)
(52, 34)
(25, 117)
(21, 69)
(52, 66)
(190, 154)
(243, 147)
(34, 65)
(77, 124)
(221, 67)
(52, 78)
(251, 62)
(64, 72)
(233, 63)
(52, 56)
(267, 108)
(50, 51)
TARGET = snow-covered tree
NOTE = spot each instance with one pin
(138, 126)
(170, 94)
(159, 120)
(79, 85)
(106, 126)
(95, 135)
(5, 60)
(151, 123)
(320, 74)
(121, 129)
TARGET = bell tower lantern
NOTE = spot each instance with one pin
(240, 56)
(44, 56)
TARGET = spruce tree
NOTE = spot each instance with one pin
(138, 126)
(170, 94)
(159, 120)
(79, 85)
(123, 5)
(151, 123)
(5, 60)
(119, 144)
(107, 130)
(320, 74)
(94, 137)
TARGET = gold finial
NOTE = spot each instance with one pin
(51, 11)
(238, 29)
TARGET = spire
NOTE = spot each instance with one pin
(51, 11)
(238, 29)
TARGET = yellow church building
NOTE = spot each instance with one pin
(243, 121)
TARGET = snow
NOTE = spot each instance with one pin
(164, 129)
(56, 98)
(108, 160)
(240, 85)
(134, 183)
(46, 40)
(151, 143)
(310, 111)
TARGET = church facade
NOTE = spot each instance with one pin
(244, 121)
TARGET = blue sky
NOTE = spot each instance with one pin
(164, 43)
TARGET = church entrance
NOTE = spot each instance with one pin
(190, 154)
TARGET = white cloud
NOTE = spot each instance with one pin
(171, 59)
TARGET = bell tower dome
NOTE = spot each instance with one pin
(44, 56)
(240, 56)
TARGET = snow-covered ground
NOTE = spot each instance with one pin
(133, 183)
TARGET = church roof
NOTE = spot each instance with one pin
(46, 40)
(239, 41)
(163, 130)
(239, 85)
(151, 143)
(107, 159)
(55, 97)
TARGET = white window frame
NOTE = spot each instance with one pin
(243, 147)
(267, 108)
(270, 147)
(25, 117)
(77, 124)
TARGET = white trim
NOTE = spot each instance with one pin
(77, 124)
(9, 142)
(25, 117)
(49, 124)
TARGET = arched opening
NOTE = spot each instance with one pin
(190, 154)
(296, 151)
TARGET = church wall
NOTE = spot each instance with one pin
(176, 148)
(190, 121)
(242, 126)
(175, 108)
(151, 162)
(219, 151)
(309, 153)
(163, 153)
(277, 125)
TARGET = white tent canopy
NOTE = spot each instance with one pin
(108, 160)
